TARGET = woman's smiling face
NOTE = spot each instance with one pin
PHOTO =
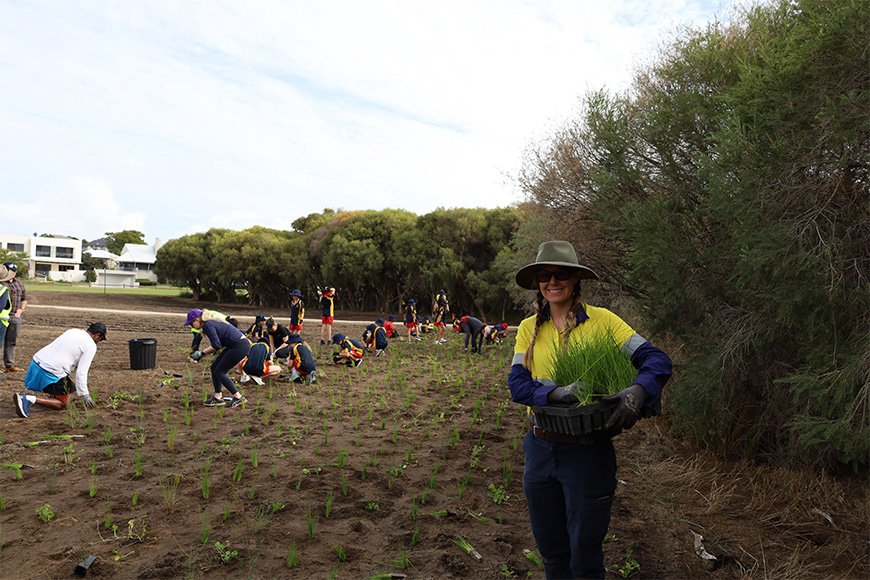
(556, 291)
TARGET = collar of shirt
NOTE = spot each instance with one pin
(581, 313)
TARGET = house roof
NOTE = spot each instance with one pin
(138, 254)
(101, 254)
(99, 243)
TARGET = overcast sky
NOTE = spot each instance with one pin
(171, 117)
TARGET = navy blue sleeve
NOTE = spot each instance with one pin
(654, 369)
(526, 390)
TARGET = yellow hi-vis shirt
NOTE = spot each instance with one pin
(600, 321)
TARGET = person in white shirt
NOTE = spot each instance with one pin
(51, 367)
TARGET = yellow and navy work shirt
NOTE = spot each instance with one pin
(441, 308)
(327, 305)
(351, 346)
(410, 314)
(302, 359)
(297, 313)
(531, 386)
(381, 337)
(256, 332)
(256, 362)
(5, 305)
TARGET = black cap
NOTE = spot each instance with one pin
(98, 328)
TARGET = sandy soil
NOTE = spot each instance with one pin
(361, 474)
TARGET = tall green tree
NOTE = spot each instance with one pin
(20, 259)
(193, 260)
(115, 240)
(257, 259)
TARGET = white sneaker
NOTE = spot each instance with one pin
(244, 378)
(258, 380)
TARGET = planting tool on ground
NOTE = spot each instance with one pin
(83, 566)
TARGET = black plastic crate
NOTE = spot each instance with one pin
(580, 419)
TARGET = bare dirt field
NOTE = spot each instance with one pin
(376, 470)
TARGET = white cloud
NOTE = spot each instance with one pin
(226, 112)
(84, 207)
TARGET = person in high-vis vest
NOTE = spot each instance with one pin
(5, 302)
(214, 315)
(569, 480)
(18, 299)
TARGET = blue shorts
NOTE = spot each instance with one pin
(39, 379)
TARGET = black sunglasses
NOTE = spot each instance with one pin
(560, 274)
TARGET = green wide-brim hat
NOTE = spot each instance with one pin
(555, 253)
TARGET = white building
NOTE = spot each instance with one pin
(55, 258)
(139, 259)
(60, 258)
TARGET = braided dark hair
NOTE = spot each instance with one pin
(570, 323)
(539, 320)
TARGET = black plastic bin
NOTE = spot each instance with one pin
(143, 353)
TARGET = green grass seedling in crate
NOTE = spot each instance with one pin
(597, 362)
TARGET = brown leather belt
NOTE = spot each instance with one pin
(584, 439)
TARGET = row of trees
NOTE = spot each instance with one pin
(727, 190)
(376, 259)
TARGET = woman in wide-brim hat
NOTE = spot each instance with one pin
(569, 481)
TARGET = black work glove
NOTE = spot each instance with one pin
(565, 395)
(627, 412)
(88, 401)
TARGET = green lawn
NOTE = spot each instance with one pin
(34, 286)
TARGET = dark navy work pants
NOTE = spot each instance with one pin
(569, 489)
(225, 361)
